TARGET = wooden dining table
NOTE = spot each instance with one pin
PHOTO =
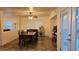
(31, 35)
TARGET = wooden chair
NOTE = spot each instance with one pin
(34, 30)
(23, 39)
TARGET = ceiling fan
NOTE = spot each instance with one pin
(31, 13)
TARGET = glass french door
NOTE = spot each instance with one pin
(77, 29)
(65, 29)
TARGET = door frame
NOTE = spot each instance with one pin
(73, 46)
(68, 11)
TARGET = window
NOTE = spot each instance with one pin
(7, 25)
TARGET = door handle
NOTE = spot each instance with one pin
(69, 39)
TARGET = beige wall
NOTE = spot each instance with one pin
(0, 30)
(53, 22)
(22, 22)
(46, 24)
(9, 35)
(45, 21)
(58, 30)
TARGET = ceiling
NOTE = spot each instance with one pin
(24, 11)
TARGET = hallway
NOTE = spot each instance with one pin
(43, 44)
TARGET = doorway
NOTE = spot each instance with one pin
(53, 23)
(66, 29)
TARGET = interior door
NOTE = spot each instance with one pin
(66, 29)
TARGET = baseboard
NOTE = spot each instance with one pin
(7, 42)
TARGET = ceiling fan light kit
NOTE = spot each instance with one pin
(30, 17)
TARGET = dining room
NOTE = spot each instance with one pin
(26, 28)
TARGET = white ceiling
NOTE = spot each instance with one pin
(39, 11)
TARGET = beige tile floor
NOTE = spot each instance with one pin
(43, 44)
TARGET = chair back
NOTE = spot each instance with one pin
(33, 30)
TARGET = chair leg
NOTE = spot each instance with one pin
(19, 42)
